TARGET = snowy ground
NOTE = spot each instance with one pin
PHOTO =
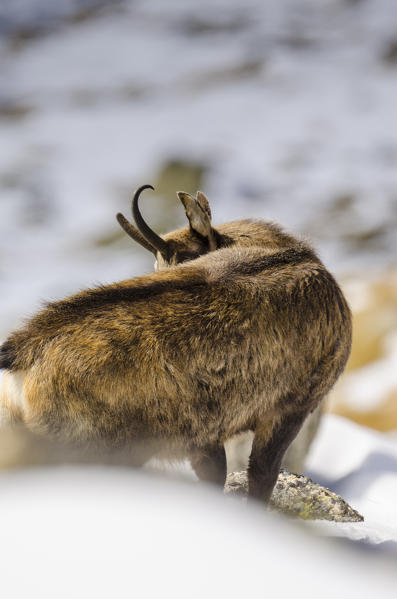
(98, 533)
(361, 465)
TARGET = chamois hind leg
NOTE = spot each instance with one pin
(268, 449)
(209, 463)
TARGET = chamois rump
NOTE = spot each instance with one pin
(241, 328)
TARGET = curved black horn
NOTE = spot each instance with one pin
(151, 237)
(134, 233)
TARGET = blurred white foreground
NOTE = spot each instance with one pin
(96, 532)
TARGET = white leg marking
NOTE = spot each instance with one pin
(238, 450)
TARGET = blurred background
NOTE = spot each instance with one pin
(284, 111)
(280, 110)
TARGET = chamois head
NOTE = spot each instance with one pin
(179, 246)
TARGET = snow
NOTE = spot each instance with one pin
(361, 465)
(94, 532)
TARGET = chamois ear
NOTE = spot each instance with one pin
(198, 212)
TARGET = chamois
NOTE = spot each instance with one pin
(241, 328)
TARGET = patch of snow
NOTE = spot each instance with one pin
(361, 465)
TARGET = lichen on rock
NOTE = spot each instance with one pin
(298, 496)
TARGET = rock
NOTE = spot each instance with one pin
(298, 496)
